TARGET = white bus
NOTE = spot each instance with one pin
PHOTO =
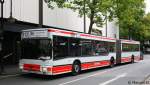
(130, 51)
(51, 51)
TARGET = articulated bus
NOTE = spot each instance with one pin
(50, 51)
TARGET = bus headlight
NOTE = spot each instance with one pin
(21, 67)
(44, 69)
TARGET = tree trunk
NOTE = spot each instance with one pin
(91, 23)
(92, 17)
(130, 33)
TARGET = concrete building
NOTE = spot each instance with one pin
(28, 11)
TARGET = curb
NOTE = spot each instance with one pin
(3, 76)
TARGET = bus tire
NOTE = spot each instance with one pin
(112, 62)
(132, 59)
(76, 68)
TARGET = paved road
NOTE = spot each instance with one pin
(127, 74)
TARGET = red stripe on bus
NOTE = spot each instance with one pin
(125, 59)
(61, 31)
(51, 30)
(137, 58)
(108, 38)
(95, 64)
(68, 68)
(84, 35)
(128, 59)
(130, 41)
(91, 36)
(31, 67)
(66, 32)
(59, 69)
(100, 37)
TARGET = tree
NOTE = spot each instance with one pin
(141, 29)
(145, 27)
(95, 10)
(129, 14)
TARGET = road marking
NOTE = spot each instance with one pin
(1, 77)
(114, 79)
(99, 73)
(82, 78)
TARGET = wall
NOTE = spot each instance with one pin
(27, 10)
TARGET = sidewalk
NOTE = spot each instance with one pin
(146, 81)
(10, 70)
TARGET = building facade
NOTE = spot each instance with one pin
(28, 11)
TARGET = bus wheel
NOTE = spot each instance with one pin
(132, 59)
(76, 68)
(112, 62)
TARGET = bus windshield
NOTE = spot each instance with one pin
(36, 49)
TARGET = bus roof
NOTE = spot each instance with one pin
(129, 41)
(79, 35)
(67, 33)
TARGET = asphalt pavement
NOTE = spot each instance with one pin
(137, 73)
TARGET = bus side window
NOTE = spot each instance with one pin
(111, 46)
(60, 47)
(101, 48)
(74, 47)
(87, 48)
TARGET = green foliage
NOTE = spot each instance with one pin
(141, 29)
(52, 3)
(145, 27)
(95, 10)
(130, 15)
